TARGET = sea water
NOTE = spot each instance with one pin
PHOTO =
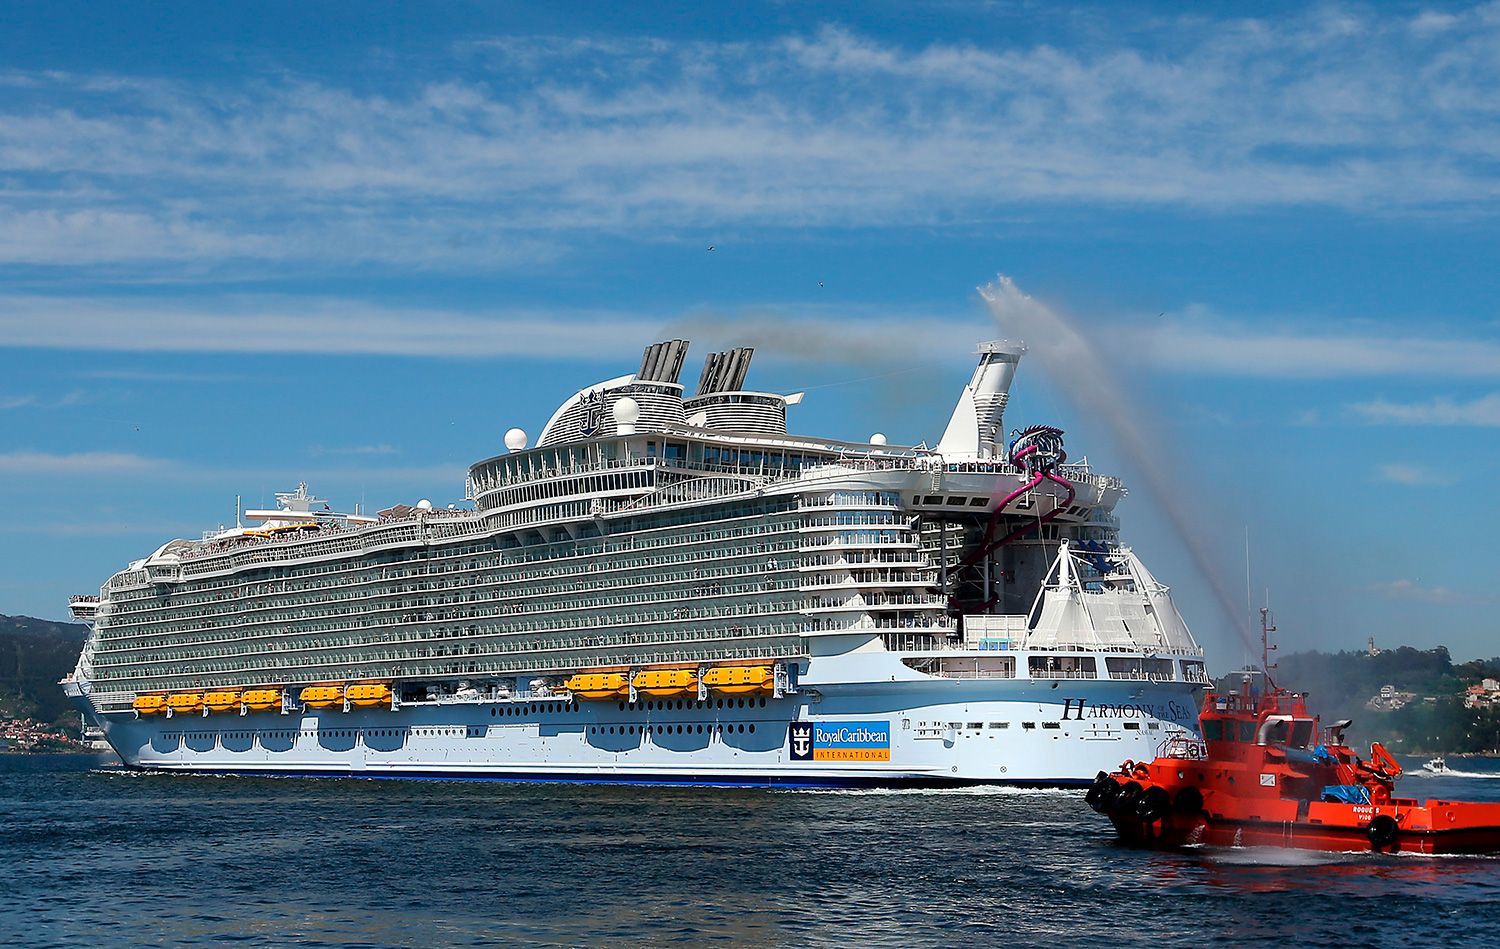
(95, 856)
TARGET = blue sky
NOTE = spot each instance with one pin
(354, 245)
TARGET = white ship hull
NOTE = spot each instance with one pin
(928, 731)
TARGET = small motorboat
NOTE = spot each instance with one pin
(1436, 765)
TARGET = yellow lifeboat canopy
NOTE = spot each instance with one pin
(740, 680)
(149, 704)
(262, 699)
(662, 683)
(221, 701)
(322, 696)
(598, 685)
(183, 702)
(368, 694)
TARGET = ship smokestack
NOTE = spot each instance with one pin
(977, 427)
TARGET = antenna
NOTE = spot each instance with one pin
(1266, 646)
(1249, 601)
(237, 509)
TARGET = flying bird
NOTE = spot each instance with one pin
(710, 248)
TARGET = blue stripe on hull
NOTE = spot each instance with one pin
(791, 783)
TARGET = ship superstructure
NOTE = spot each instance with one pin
(667, 587)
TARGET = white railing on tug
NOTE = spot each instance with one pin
(1183, 746)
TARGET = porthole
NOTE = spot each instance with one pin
(679, 729)
(611, 729)
(762, 703)
(493, 713)
(720, 703)
(752, 728)
(622, 706)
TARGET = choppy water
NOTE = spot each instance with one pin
(103, 858)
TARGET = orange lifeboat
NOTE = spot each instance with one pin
(598, 685)
(261, 700)
(740, 680)
(183, 703)
(666, 683)
(368, 694)
(221, 701)
(149, 704)
(322, 696)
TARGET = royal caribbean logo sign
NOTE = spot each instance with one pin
(839, 741)
(593, 414)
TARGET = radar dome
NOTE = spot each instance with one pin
(515, 439)
(877, 439)
(424, 505)
(627, 412)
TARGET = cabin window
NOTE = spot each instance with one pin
(1132, 726)
(1301, 733)
(1028, 724)
(979, 502)
(1276, 733)
(1247, 732)
(1213, 729)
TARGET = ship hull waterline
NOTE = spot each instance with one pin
(1020, 733)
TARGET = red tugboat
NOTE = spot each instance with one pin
(1267, 774)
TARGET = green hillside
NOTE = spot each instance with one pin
(34, 655)
(1341, 685)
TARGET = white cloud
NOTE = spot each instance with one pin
(1217, 347)
(1483, 412)
(79, 463)
(503, 153)
(16, 401)
(1409, 474)
(1415, 591)
(380, 449)
(142, 375)
(334, 327)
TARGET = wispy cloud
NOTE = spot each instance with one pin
(1409, 474)
(142, 375)
(1415, 591)
(351, 327)
(1483, 412)
(79, 463)
(1217, 346)
(504, 153)
(380, 449)
(46, 527)
(102, 464)
(8, 402)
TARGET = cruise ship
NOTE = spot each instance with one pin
(667, 588)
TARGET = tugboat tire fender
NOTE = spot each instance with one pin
(1189, 801)
(1382, 830)
(1154, 804)
(1107, 796)
(1124, 802)
(1140, 770)
(1096, 791)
